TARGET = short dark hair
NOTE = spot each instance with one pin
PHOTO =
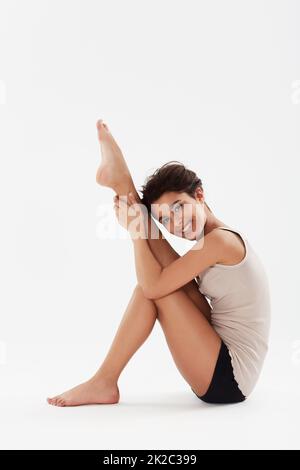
(172, 176)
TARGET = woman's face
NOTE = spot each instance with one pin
(181, 214)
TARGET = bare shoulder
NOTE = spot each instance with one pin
(214, 244)
(233, 249)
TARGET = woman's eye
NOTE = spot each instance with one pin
(176, 209)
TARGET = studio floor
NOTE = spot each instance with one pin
(158, 413)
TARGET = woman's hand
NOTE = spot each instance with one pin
(130, 214)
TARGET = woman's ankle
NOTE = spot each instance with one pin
(125, 186)
(103, 377)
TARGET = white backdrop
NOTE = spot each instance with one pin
(213, 84)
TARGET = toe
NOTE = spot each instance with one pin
(99, 124)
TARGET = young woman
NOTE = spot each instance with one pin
(212, 303)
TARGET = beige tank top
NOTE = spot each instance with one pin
(241, 308)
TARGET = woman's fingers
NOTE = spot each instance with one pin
(120, 204)
(129, 199)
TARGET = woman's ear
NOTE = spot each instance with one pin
(199, 194)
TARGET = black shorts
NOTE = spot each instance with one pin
(223, 387)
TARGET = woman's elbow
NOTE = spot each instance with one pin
(153, 294)
(149, 293)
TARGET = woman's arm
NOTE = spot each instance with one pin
(148, 269)
(157, 282)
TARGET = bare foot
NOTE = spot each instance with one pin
(113, 169)
(94, 391)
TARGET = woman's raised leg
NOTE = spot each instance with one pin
(113, 172)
